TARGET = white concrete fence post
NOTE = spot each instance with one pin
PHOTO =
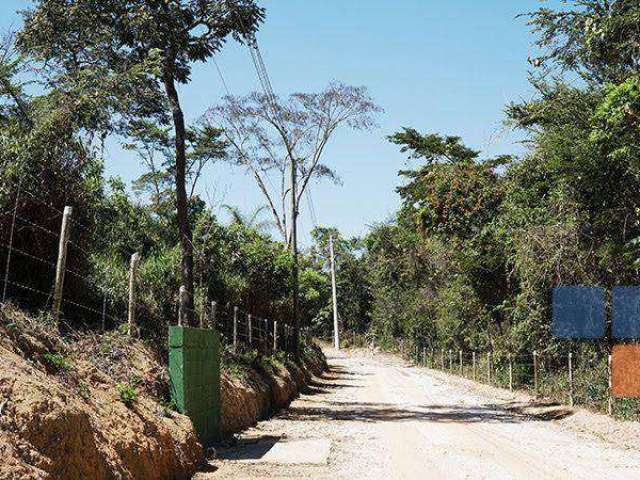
(570, 365)
(235, 329)
(275, 336)
(510, 373)
(183, 296)
(610, 399)
(535, 371)
(473, 360)
(213, 313)
(133, 300)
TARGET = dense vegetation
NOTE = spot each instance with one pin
(470, 260)
(69, 84)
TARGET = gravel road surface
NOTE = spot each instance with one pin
(374, 416)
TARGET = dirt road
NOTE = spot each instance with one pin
(376, 417)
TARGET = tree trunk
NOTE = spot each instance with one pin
(182, 210)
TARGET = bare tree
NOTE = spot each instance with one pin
(265, 134)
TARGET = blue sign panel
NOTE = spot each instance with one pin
(626, 313)
(578, 312)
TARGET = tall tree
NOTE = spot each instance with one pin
(266, 133)
(269, 136)
(147, 48)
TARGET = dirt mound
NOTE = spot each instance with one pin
(69, 411)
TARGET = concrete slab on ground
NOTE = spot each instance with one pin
(282, 451)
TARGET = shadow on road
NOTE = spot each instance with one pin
(387, 412)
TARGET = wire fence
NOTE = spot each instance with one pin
(48, 266)
(573, 378)
(577, 377)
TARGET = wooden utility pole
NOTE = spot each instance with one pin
(133, 271)
(294, 252)
(334, 293)
(61, 264)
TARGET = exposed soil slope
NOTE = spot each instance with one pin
(63, 413)
(257, 393)
(91, 407)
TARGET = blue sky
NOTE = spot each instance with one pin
(440, 66)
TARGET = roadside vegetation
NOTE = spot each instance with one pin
(470, 259)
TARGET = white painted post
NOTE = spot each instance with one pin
(61, 264)
(489, 367)
(442, 358)
(610, 400)
(473, 357)
(235, 329)
(461, 364)
(571, 399)
(275, 336)
(133, 273)
(450, 361)
(424, 356)
(334, 296)
(535, 371)
(213, 312)
(183, 296)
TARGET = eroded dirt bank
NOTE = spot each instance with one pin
(254, 394)
(385, 418)
(95, 407)
(86, 409)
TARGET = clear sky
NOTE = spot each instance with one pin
(447, 66)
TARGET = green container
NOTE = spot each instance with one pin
(194, 374)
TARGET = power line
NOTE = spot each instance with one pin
(224, 84)
(258, 63)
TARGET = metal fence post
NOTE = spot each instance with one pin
(250, 323)
(61, 264)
